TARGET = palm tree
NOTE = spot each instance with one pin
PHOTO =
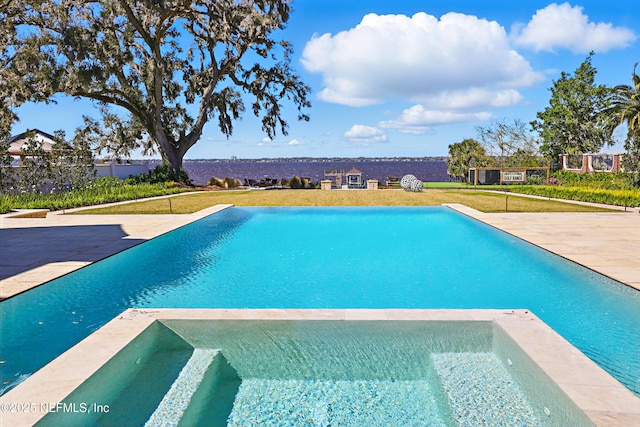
(624, 107)
(464, 155)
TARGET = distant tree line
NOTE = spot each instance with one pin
(581, 118)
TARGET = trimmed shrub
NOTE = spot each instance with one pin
(603, 180)
(160, 174)
(625, 197)
(231, 183)
(216, 182)
(295, 183)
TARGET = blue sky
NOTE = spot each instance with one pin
(408, 78)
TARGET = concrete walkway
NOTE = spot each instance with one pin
(36, 250)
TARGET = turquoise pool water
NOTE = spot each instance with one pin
(326, 258)
(322, 373)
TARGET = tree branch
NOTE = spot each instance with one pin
(104, 96)
(136, 23)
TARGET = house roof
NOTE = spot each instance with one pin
(354, 171)
(17, 142)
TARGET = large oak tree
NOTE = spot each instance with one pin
(171, 65)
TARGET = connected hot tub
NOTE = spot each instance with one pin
(316, 367)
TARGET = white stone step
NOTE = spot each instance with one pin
(174, 404)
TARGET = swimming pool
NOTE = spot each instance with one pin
(329, 258)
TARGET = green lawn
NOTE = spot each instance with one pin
(482, 201)
(447, 185)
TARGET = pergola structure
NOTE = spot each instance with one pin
(354, 178)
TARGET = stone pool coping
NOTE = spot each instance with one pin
(602, 398)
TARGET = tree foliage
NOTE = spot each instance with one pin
(464, 155)
(7, 34)
(624, 109)
(59, 170)
(7, 175)
(169, 65)
(573, 123)
(510, 143)
(624, 105)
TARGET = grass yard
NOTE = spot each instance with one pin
(485, 202)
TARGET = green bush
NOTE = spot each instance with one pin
(160, 174)
(295, 183)
(534, 180)
(225, 183)
(231, 183)
(217, 182)
(300, 183)
(597, 180)
(616, 197)
(102, 190)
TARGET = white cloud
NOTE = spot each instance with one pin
(365, 134)
(295, 142)
(473, 98)
(418, 58)
(418, 120)
(566, 26)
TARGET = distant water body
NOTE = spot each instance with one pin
(426, 170)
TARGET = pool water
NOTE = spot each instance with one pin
(322, 373)
(329, 258)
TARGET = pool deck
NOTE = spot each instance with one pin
(34, 251)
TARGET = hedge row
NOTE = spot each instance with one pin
(629, 197)
(104, 190)
(600, 180)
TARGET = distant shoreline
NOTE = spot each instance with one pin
(424, 168)
(304, 159)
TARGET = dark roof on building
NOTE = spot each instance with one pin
(17, 142)
(24, 135)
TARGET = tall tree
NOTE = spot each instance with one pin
(170, 65)
(7, 116)
(464, 155)
(511, 143)
(573, 123)
(7, 33)
(624, 108)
